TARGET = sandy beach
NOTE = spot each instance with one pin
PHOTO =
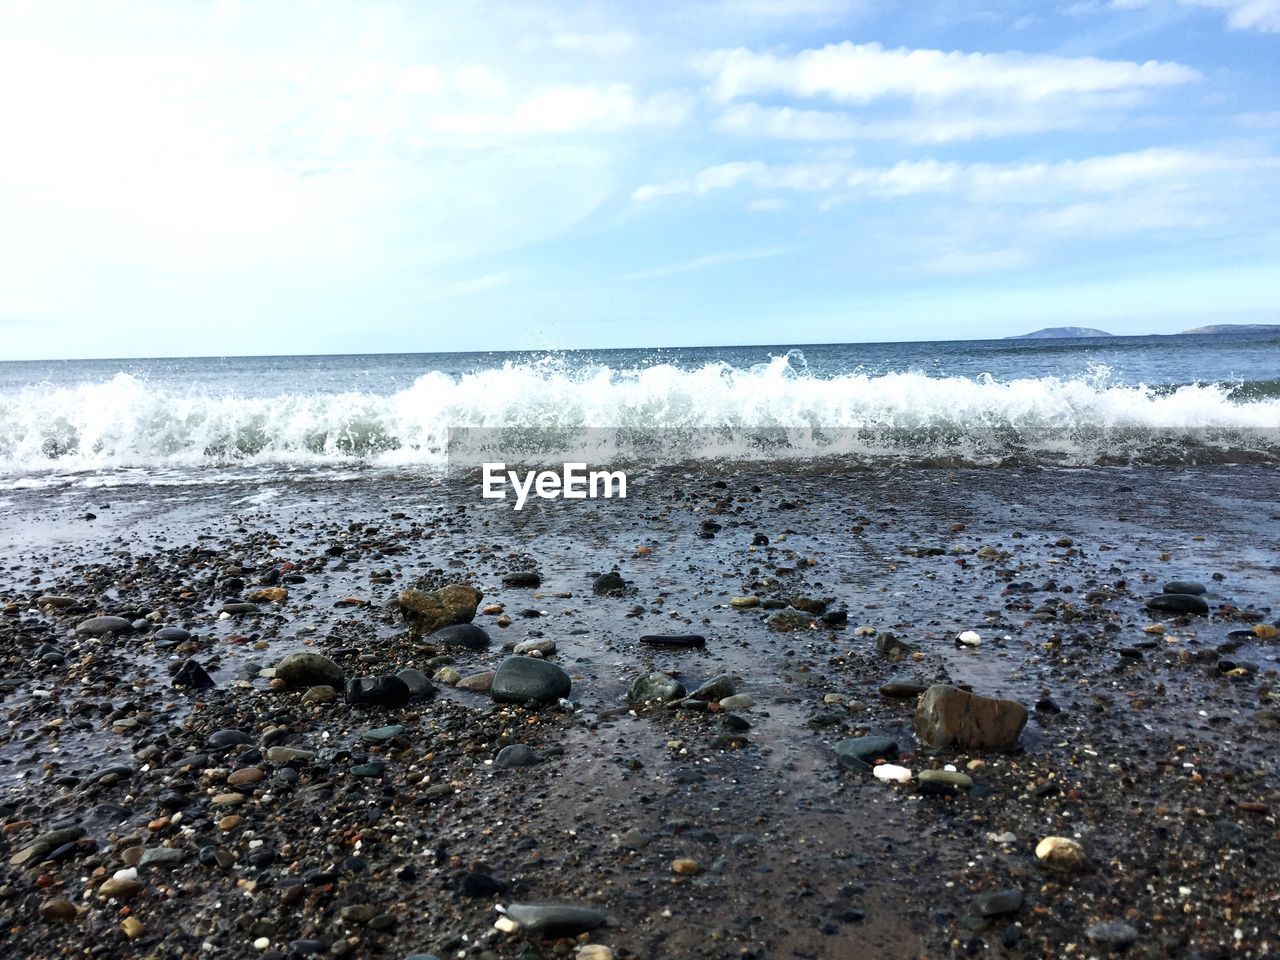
(274, 820)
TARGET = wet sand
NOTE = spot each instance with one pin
(1157, 752)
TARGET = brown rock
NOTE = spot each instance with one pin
(230, 822)
(427, 612)
(58, 910)
(119, 889)
(477, 682)
(245, 777)
(269, 595)
(949, 717)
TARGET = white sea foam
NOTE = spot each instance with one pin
(715, 410)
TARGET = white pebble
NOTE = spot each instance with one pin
(970, 638)
(128, 873)
(506, 925)
(261, 943)
(892, 772)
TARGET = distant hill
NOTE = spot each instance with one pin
(1060, 333)
(1230, 328)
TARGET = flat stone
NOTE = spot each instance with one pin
(101, 626)
(161, 857)
(172, 635)
(739, 701)
(522, 578)
(1185, 603)
(477, 682)
(941, 782)
(529, 680)
(949, 717)
(382, 734)
(58, 910)
(674, 641)
(245, 776)
(997, 903)
(238, 607)
(119, 889)
(554, 921)
(901, 688)
(859, 753)
(286, 755)
(1184, 586)
(1114, 934)
(225, 739)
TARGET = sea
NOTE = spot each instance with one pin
(1069, 402)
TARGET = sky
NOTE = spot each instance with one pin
(192, 178)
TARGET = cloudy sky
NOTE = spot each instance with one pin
(189, 178)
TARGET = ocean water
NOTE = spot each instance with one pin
(1076, 402)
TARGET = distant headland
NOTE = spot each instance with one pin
(1217, 329)
(1055, 333)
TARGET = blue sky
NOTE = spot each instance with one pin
(305, 177)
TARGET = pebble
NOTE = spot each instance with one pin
(132, 927)
(997, 903)
(901, 688)
(246, 776)
(892, 773)
(744, 603)
(447, 675)
(859, 753)
(685, 867)
(120, 888)
(943, 781)
(315, 696)
(714, 690)
(655, 688)
(192, 675)
(789, 621)
(1114, 934)
(739, 701)
(58, 910)
(593, 951)
(543, 647)
(516, 755)
(522, 578)
(969, 638)
(1061, 853)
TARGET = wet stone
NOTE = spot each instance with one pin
(309, 670)
(1183, 603)
(461, 636)
(528, 680)
(655, 688)
(378, 691)
(674, 641)
(101, 626)
(516, 755)
(554, 920)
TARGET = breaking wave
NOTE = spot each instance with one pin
(771, 410)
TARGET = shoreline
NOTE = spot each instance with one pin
(794, 855)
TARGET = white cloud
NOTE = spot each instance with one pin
(984, 182)
(861, 73)
(571, 109)
(1261, 15)
(610, 44)
(923, 126)
(709, 260)
(481, 82)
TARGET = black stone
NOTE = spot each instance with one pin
(378, 691)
